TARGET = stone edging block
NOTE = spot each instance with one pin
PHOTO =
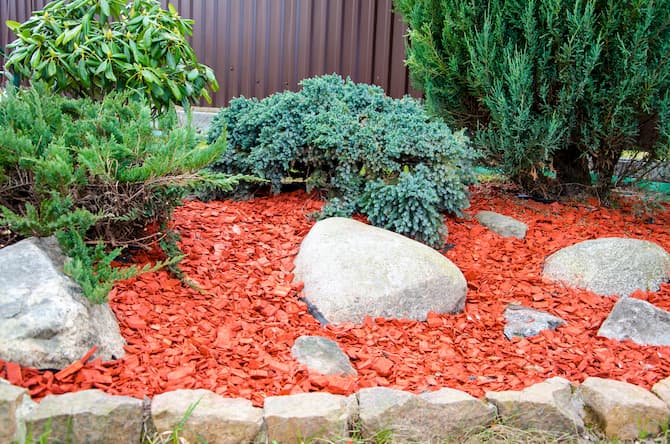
(444, 415)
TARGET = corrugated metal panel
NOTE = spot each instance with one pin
(258, 47)
(19, 10)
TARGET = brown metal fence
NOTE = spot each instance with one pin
(258, 47)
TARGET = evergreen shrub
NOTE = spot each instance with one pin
(98, 176)
(364, 150)
(87, 48)
(562, 86)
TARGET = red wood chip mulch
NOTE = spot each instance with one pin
(234, 337)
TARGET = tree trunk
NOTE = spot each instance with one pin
(604, 167)
(572, 170)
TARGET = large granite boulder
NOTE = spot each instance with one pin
(638, 321)
(502, 225)
(352, 270)
(610, 266)
(45, 321)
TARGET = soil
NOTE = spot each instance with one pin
(233, 336)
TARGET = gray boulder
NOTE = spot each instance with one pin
(88, 416)
(502, 225)
(322, 355)
(524, 321)
(638, 321)
(45, 321)
(352, 270)
(610, 266)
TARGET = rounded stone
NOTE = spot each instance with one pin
(610, 266)
(352, 270)
(322, 355)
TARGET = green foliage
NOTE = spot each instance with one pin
(97, 176)
(547, 84)
(88, 48)
(365, 151)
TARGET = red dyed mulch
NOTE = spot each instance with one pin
(235, 336)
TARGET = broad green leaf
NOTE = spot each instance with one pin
(36, 58)
(215, 85)
(189, 88)
(104, 7)
(17, 56)
(12, 25)
(169, 58)
(175, 89)
(51, 68)
(39, 71)
(149, 76)
(86, 23)
(109, 74)
(193, 74)
(102, 67)
(205, 94)
(71, 34)
(60, 39)
(135, 21)
(133, 48)
(147, 39)
(83, 73)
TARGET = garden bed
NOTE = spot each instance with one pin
(234, 337)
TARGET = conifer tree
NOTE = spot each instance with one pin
(561, 86)
(97, 176)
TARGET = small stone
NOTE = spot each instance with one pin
(88, 416)
(549, 405)
(215, 419)
(322, 355)
(638, 321)
(524, 321)
(299, 418)
(502, 225)
(623, 410)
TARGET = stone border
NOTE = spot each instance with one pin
(619, 409)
